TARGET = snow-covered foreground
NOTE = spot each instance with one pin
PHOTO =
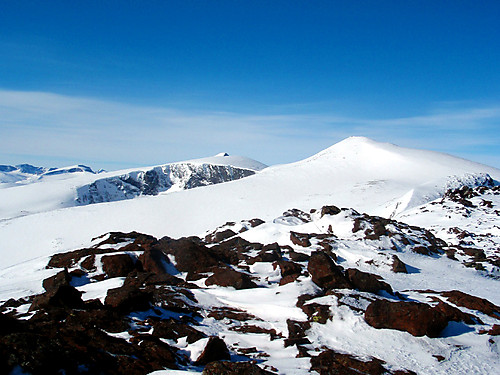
(254, 320)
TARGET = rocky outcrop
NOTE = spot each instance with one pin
(330, 362)
(191, 256)
(118, 265)
(154, 261)
(398, 266)
(367, 282)
(290, 271)
(418, 319)
(297, 333)
(233, 368)
(300, 239)
(215, 350)
(229, 277)
(325, 273)
(473, 303)
(128, 298)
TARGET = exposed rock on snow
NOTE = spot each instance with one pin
(259, 304)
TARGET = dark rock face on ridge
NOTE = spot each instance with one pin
(157, 180)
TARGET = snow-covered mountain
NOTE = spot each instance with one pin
(365, 258)
(56, 188)
(171, 177)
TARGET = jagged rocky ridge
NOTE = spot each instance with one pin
(133, 304)
(172, 176)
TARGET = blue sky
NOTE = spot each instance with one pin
(122, 83)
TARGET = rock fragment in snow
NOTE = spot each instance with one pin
(215, 350)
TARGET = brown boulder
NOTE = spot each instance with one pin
(453, 314)
(367, 282)
(173, 329)
(230, 277)
(128, 298)
(474, 303)
(89, 263)
(418, 319)
(298, 257)
(300, 239)
(330, 210)
(397, 265)
(215, 350)
(191, 256)
(216, 237)
(233, 250)
(297, 333)
(329, 363)
(115, 238)
(325, 273)
(290, 271)
(118, 265)
(156, 353)
(233, 368)
(256, 222)
(154, 261)
(316, 312)
(64, 296)
(221, 313)
(287, 267)
(495, 330)
(288, 279)
(53, 282)
(148, 278)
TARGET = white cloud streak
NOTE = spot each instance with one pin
(41, 127)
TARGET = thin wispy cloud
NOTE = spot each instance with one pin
(63, 129)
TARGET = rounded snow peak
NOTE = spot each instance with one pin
(222, 154)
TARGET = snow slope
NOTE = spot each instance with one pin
(357, 172)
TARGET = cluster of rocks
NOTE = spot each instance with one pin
(136, 327)
(476, 250)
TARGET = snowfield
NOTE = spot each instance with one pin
(287, 269)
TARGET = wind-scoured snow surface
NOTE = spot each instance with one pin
(368, 176)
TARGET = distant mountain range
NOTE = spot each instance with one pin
(27, 173)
